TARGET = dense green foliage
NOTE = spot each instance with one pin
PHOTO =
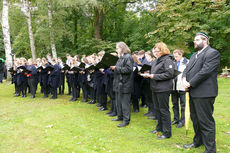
(45, 125)
(74, 24)
(179, 21)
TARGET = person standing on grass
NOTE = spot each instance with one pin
(32, 77)
(178, 92)
(200, 78)
(1, 70)
(161, 83)
(123, 83)
(54, 78)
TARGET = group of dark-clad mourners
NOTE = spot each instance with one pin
(151, 76)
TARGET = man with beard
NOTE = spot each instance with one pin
(200, 78)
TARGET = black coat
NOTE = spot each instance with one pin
(44, 76)
(55, 77)
(163, 70)
(1, 67)
(21, 78)
(201, 72)
(33, 70)
(99, 82)
(137, 86)
(123, 74)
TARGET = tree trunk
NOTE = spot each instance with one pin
(26, 10)
(52, 42)
(75, 18)
(98, 23)
(6, 35)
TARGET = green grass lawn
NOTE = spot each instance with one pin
(44, 125)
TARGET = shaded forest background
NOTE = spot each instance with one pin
(89, 26)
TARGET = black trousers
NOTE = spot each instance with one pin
(102, 99)
(75, 90)
(112, 101)
(148, 99)
(23, 87)
(162, 112)
(176, 96)
(46, 89)
(84, 87)
(1, 77)
(17, 89)
(32, 85)
(123, 106)
(62, 87)
(201, 110)
(54, 92)
(92, 94)
(135, 102)
(68, 83)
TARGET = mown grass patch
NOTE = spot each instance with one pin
(44, 125)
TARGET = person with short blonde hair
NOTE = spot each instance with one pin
(163, 48)
(161, 83)
(178, 51)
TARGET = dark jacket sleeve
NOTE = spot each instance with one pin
(168, 73)
(211, 63)
(127, 69)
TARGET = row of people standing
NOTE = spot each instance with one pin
(123, 82)
(26, 75)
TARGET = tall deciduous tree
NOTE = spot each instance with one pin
(99, 19)
(6, 34)
(52, 42)
(26, 10)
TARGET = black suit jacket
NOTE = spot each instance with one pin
(201, 73)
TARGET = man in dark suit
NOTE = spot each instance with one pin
(200, 78)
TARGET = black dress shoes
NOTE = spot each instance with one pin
(74, 99)
(110, 112)
(122, 124)
(146, 114)
(113, 114)
(174, 122)
(99, 105)
(84, 100)
(92, 102)
(103, 109)
(152, 118)
(180, 125)
(32, 97)
(192, 145)
(162, 137)
(117, 119)
(16, 95)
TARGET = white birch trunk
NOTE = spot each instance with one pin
(6, 35)
(52, 42)
(26, 10)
